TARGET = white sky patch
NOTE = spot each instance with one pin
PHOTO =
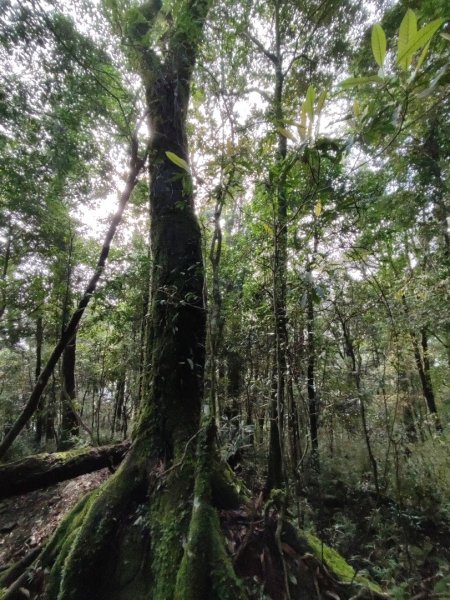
(94, 215)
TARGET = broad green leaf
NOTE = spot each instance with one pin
(286, 133)
(177, 160)
(378, 44)
(406, 35)
(308, 105)
(301, 127)
(422, 56)
(321, 101)
(318, 209)
(422, 37)
(355, 81)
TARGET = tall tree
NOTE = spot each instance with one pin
(157, 477)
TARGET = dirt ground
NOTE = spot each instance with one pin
(27, 521)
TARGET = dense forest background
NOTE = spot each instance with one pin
(318, 158)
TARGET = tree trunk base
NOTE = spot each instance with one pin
(150, 533)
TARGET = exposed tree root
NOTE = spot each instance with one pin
(150, 533)
(206, 570)
(125, 540)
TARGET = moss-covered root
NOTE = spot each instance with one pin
(206, 570)
(83, 542)
(227, 490)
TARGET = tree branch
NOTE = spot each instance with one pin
(260, 47)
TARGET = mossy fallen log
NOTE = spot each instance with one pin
(43, 470)
(342, 570)
(282, 562)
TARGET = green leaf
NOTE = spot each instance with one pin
(318, 209)
(308, 105)
(378, 44)
(422, 56)
(287, 134)
(321, 101)
(406, 34)
(422, 37)
(177, 160)
(355, 81)
(301, 128)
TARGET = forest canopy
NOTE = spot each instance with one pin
(224, 274)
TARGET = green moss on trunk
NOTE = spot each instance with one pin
(206, 570)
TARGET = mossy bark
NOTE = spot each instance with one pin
(205, 570)
(134, 537)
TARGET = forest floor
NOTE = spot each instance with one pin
(27, 521)
(406, 551)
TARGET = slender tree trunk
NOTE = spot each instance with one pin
(422, 359)
(118, 416)
(215, 319)
(50, 414)
(293, 426)
(310, 375)
(6, 260)
(40, 410)
(69, 420)
(356, 376)
(276, 475)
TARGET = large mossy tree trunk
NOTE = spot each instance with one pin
(126, 540)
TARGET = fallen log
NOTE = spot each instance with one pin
(43, 470)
